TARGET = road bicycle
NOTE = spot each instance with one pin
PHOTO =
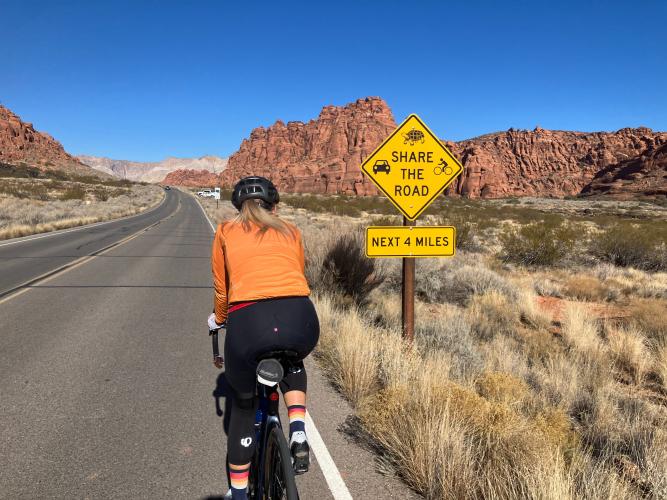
(271, 474)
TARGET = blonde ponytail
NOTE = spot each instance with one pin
(252, 213)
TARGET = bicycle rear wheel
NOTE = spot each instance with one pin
(279, 483)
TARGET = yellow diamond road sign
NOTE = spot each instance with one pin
(412, 167)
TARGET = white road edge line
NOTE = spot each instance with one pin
(79, 228)
(327, 465)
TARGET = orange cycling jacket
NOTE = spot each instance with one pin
(247, 266)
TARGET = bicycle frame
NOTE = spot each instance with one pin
(269, 403)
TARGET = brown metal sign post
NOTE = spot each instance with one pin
(409, 292)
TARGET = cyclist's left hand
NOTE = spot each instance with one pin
(212, 324)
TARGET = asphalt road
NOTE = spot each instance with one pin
(106, 384)
(26, 258)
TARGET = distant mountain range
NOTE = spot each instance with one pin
(153, 171)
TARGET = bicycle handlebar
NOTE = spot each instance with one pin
(217, 359)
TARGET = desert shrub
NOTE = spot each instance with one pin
(589, 288)
(501, 387)
(650, 316)
(627, 245)
(21, 217)
(387, 220)
(580, 329)
(628, 351)
(346, 209)
(531, 313)
(458, 284)
(452, 443)
(34, 190)
(492, 314)
(348, 348)
(350, 271)
(73, 193)
(542, 243)
(454, 336)
(101, 194)
(660, 364)
(465, 229)
(547, 287)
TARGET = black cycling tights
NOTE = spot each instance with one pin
(288, 323)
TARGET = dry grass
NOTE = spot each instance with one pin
(25, 216)
(628, 349)
(451, 440)
(650, 315)
(580, 329)
(660, 364)
(588, 288)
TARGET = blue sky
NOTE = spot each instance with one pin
(143, 80)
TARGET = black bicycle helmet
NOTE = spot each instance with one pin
(255, 188)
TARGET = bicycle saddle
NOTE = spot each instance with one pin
(270, 369)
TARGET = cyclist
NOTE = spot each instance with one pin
(261, 295)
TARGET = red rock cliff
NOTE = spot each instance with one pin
(21, 143)
(191, 178)
(544, 162)
(321, 156)
(643, 175)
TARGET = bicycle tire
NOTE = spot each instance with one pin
(279, 482)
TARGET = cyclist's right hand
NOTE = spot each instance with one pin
(213, 325)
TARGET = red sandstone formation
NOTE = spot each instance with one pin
(321, 156)
(21, 143)
(325, 155)
(544, 162)
(191, 178)
(645, 175)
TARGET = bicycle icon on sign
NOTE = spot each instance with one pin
(442, 168)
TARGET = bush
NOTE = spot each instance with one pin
(454, 336)
(73, 193)
(101, 194)
(491, 314)
(650, 316)
(588, 288)
(458, 284)
(387, 220)
(346, 209)
(464, 229)
(627, 245)
(543, 243)
(31, 190)
(350, 271)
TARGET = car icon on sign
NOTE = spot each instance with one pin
(381, 166)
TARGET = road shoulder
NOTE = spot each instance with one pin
(358, 466)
